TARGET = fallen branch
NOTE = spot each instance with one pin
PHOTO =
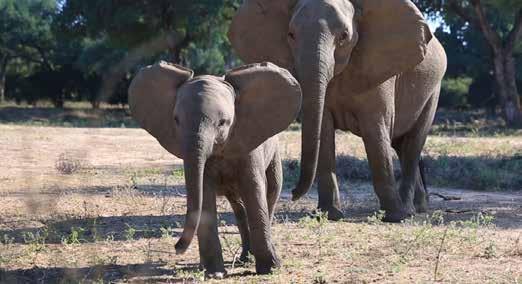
(458, 211)
(446, 197)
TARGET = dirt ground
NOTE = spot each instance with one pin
(106, 205)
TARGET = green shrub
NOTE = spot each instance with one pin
(454, 92)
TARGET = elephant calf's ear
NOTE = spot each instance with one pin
(269, 99)
(152, 97)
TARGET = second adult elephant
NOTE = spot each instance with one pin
(371, 67)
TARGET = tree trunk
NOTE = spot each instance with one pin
(95, 104)
(503, 61)
(505, 77)
(3, 71)
(114, 75)
(58, 101)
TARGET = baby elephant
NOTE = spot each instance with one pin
(224, 130)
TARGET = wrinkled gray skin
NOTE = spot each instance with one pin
(225, 130)
(371, 67)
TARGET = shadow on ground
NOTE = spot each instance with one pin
(108, 273)
(91, 118)
(111, 273)
(486, 173)
(496, 180)
(117, 228)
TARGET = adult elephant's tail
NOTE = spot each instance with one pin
(423, 177)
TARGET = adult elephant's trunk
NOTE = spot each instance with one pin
(314, 70)
(194, 166)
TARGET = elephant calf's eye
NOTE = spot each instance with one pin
(291, 35)
(176, 120)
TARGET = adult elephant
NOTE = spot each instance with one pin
(371, 67)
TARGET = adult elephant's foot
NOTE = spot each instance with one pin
(267, 266)
(421, 201)
(245, 256)
(395, 217)
(409, 209)
(421, 207)
(214, 268)
(334, 214)
(215, 275)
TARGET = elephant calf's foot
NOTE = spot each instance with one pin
(267, 266)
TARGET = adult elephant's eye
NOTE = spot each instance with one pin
(343, 38)
(176, 120)
(291, 35)
(222, 122)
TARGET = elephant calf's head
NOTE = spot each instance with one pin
(195, 118)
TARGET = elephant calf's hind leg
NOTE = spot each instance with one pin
(274, 183)
(253, 193)
(242, 223)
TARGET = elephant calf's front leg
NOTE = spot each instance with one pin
(210, 253)
(253, 193)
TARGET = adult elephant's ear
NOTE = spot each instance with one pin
(393, 38)
(268, 99)
(152, 97)
(259, 32)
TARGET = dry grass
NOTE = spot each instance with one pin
(478, 163)
(116, 217)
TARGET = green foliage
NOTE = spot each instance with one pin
(506, 7)
(67, 50)
(454, 92)
(26, 28)
(377, 217)
(468, 53)
(62, 50)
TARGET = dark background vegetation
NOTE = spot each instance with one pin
(73, 50)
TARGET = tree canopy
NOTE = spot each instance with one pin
(88, 50)
(483, 41)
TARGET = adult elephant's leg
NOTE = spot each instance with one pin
(421, 197)
(253, 193)
(210, 253)
(407, 182)
(412, 190)
(326, 172)
(274, 183)
(242, 223)
(379, 151)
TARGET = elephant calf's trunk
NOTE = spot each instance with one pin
(194, 170)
